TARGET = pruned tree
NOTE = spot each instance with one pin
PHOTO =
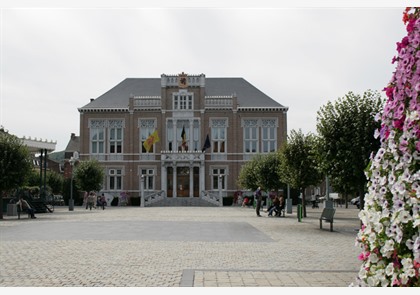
(298, 164)
(262, 170)
(346, 129)
(89, 175)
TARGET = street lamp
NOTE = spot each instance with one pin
(220, 190)
(72, 161)
(142, 191)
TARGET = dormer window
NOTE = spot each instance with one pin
(182, 101)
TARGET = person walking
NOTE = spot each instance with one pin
(258, 196)
(103, 201)
(90, 200)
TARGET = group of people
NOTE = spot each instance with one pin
(277, 203)
(92, 201)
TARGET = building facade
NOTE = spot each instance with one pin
(183, 135)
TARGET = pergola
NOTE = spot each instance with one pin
(41, 147)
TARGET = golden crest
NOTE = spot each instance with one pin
(182, 80)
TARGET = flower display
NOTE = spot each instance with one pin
(390, 233)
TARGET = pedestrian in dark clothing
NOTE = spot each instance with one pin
(258, 196)
(103, 201)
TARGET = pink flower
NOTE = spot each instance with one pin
(363, 256)
(398, 124)
(402, 44)
(388, 90)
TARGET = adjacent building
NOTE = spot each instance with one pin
(181, 135)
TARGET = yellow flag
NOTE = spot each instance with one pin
(151, 140)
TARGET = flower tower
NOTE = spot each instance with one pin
(390, 232)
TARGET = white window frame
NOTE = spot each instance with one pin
(183, 101)
(115, 179)
(147, 127)
(251, 135)
(149, 178)
(218, 136)
(97, 128)
(215, 173)
(116, 140)
(268, 135)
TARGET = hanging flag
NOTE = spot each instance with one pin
(151, 140)
(184, 138)
(206, 144)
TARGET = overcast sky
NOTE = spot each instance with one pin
(53, 60)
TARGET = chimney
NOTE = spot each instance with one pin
(92, 99)
(73, 135)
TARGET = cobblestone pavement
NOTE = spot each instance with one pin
(178, 247)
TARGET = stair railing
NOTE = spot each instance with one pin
(153, 197)
(211, 197)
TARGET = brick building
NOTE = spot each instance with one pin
(175, 114)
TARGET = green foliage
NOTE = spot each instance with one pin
(55, 181)
(249, 175)
(33, 178)
(262, 170)
(346, 130)
(299, 166)
(15, 162)
(89, 175)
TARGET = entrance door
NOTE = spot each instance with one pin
(183, 182)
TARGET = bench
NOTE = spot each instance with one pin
(280, 213)
(328, 216)
(20, 211)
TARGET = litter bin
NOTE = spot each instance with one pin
(11, 210)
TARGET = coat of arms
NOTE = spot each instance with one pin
(182, 80)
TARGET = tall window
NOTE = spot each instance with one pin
(148, 179)
(147, 127)
(183, 101)
(196, 136)
(216, 174)
(97, 136)
(250, 135)
(218, 135)
(183, 135)
(115, 140)
(115, 179)
(268, 138)
(174, 134)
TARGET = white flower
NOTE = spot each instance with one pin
(373, 258)
(406, 175)
(391, 178)
(388, 248)
(389, 270)
(407, 158)
(404, 216)
(404, 278)
(373, 281)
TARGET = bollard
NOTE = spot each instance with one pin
(299, 212)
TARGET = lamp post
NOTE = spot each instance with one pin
(142, 191)
(72, 161)
(220, 191)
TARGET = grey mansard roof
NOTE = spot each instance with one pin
(248, 96)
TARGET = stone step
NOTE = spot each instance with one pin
(182, 202)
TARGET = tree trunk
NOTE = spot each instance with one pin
(1, 206)
(346, 198)
(303, 203)
(362, 197)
